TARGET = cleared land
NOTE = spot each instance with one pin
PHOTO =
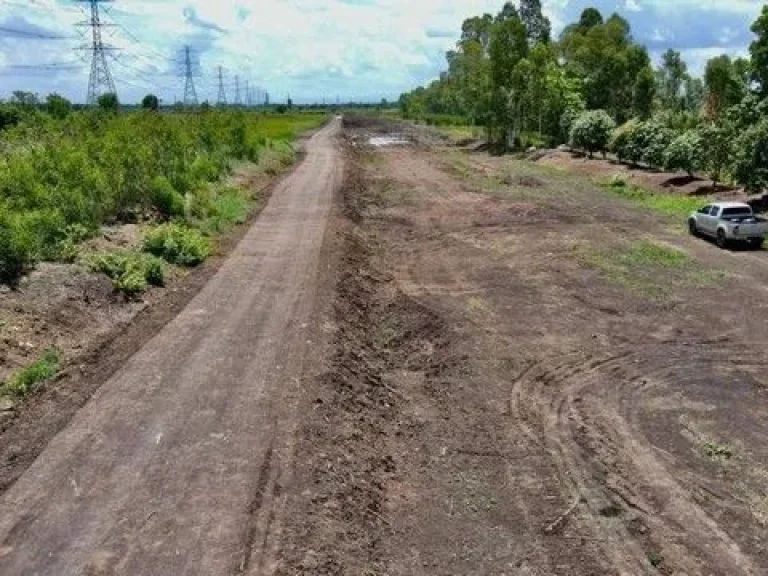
(465, 365)
(532, 376)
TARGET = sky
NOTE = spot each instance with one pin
(353, 50)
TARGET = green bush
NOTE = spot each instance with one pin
(130, 272)
(177, 244)
(16, 249)
(591, 131)
(684, 153)
(648, 143)
(165, 198)
(26, 380)
(750, 167)
(622, 139)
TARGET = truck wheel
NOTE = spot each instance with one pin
(722, 241)
(692, 228)
(757, 243)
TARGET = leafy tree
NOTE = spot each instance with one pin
(622, 141)
(509, 45)
(538, 26)
(590, 18)
(150, 102)
(672, 76)
(723, 86)
(591, 131)
(759, 52)
(508, 12)
(717, 148)
(644, 93)
(27, 101)
(9, 116)
(607, 61)
(750, 167)
(108, 102)
(694, 94)
(58, 106)
(684, 153)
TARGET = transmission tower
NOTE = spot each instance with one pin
(247, 94)
(222, 99)
(190, 94)
(100, 81)
(238, 100)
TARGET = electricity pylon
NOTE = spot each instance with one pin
(222, 98)
(190, 94)
(238, 100)
(100, 81)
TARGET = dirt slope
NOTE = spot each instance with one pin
(175, 465)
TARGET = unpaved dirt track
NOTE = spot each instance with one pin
(174, 466)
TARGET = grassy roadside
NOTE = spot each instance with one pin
(161, 246)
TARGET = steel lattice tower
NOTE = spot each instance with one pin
(100, 81)
(190, 94)
(222, 98)
(238, 99)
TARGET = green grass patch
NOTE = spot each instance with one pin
(650, 268)
(131, 272)
(669, 204)
(717, 451)
(177, 244)
(27, 380)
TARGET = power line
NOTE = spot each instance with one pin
(26, 34)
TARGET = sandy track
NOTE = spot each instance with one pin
(175, 465)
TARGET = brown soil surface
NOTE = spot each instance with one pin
(658, 180)
(515, 391)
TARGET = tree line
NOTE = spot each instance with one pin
(596, 88)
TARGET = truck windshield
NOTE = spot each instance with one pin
(736, 212)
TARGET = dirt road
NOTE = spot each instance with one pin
(175, 465)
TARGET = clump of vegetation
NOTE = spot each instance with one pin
(684, 153)
(28, 379)
(131, 272)
(717, 451)
(177, 244)
(592, 131)
(64, 171)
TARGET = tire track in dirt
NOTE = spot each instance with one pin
(604, 488)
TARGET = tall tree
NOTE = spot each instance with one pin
(694, 94)
(508, 11)
(672, 76)
(723, 86)
(538, 26)
(644, 93)
(759, 52)
(509, 45)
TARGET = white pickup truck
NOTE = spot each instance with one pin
(729, 222)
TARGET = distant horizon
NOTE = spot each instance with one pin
(309, 47)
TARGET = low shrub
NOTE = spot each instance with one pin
(27, 380)
(130, 272)
(177, 244)
(591, 131)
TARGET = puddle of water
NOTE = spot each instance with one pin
(390, 140)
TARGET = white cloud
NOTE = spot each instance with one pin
(308, 48)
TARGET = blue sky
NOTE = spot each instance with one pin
(311, 49)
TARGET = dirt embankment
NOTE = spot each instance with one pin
(531, 377)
